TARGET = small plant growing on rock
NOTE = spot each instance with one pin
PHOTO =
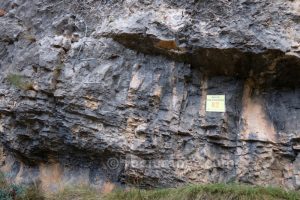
(30, 38)
(56, 73)
(19, 82)
(58, 68)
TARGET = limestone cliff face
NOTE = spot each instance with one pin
(113, 92)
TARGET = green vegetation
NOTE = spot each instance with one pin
(30, 38)
(191, 192)
(208, 192)
(76, 193)
(19, 81)
(17, 192)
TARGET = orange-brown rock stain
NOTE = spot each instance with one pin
(51, 176)
(256, 124)
(107, 187)
(166, 44)
(2, 12)
(169, 45)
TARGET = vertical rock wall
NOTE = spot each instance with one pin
(114, 92)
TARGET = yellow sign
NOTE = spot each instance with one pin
(215, 103)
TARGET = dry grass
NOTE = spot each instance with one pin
(76, 193)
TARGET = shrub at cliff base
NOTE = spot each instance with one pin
(18, 192)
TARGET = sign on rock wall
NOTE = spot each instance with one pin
(215, 103)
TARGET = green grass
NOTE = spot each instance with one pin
(76, 193)
(190, 192)
(207, 192)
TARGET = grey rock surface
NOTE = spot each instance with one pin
(113, 92)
